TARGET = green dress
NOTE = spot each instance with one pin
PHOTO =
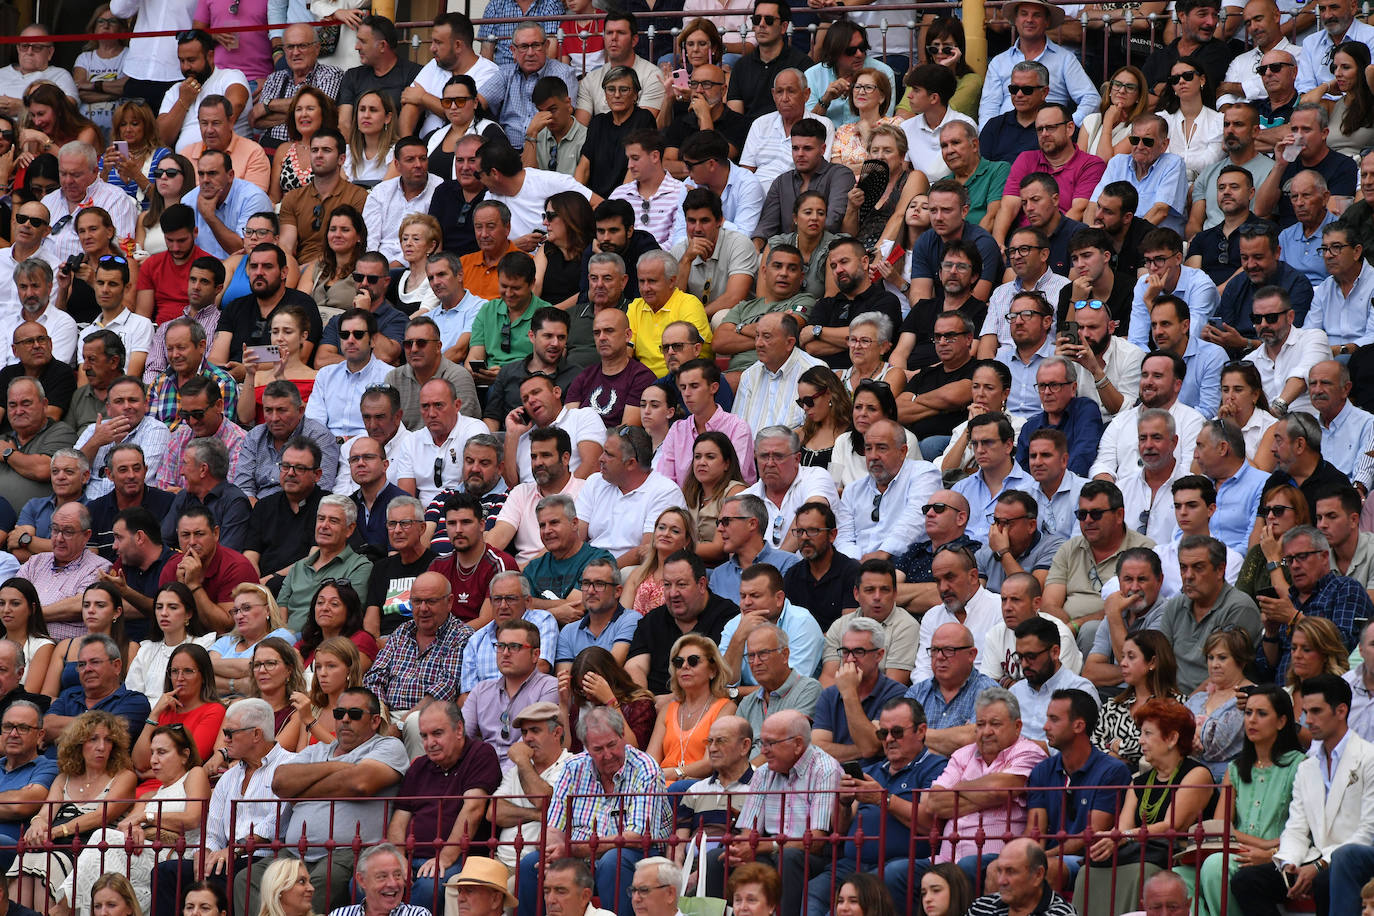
(1261, 811)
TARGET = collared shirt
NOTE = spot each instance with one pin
(1194, 287)
(1238, 499)
(492, 708)
(1314, 60)
(456, 321)
(1300, 351)
(741, 203)
(581, 806)
(1177, 620)
(733, 255)
(1340, 599)
(898, 524)
(299, 208)
(110, 198)
(1068, 82)
(1023, 399)
(1009, 819)
(1344, 318)
(725, 578)
(303, 579)
(952, 712)
(1076, 177)
(1036, 701)
(154, 58)
(243, 200)
(1346, 439)
(1050, 779)
(133, 329)
(576, 636)
(281, 84)
(1122, 364)
(404, 380)
(661, 214)
(169, 474)
(768, 148)
(981, 612)
(207, 318)
(387, 205)
(403, 673)
(1057, 509)
(1083, 576)
(1300, 249)
(804, 638)
(1202, 383)
(646, 326)
(1165, 182)
(554, 155)
(981, 499)
(797, 692)
(830, 180)
(984, 187)
(151, 435)
(1119, 452)
(617, 521)
(129, 705)
(821, 75)
(923, 143)
(895, 837)
(337, 398)
(1361, 718)
(675, 454)
(1361, 567)
(259, 470)
(1081, 425)
(251, 810)
(1150, 510)
(1049, 283)
(1242, 71)
(248, 159)
(435, 466)
(788, 804)
(1239, 295)
(55, 582)
(508, 93)
(479, 656)
(810, 483)
(1328, 764)
(768, 398)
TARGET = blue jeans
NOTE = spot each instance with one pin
(614, 873)
(932, 447)
(974, 867)
(1351, 866)
(429, 892)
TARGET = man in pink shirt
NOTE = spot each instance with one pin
(986, 775)
(698, 380)
(216, 116)
(1076, 172)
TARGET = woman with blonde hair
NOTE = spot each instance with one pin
(673, 531)
(256, 616)
(95, 772)
(286, 889)
(715, 477)
(697, 681)
(134, 123)
(337, 666)
(113, 895)
(1316, 648)
(368, 157)
(421, 237)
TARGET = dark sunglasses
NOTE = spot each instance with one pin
(935, 507)
(359, 277)
(897, 731)
(1276, 511)
(417, 343)
(352, 712)
(316, 217)
(690, 661)
(757, 19)
(1094, 514)
(806, 402)
(353, 335)
(1272, 318)
(197, 414)
(1148, 141)
(855, 49)
(1186, 77)
(24, 220)
(167, 173)
(1266, 69)
(1023, 90)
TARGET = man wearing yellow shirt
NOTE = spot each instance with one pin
(660, 304)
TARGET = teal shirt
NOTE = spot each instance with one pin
(303, 580)
(488, 331)
(985, 186)
(547, 573)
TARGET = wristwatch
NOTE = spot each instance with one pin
(1280, 406)
(815, 335)
(1273, 566)
(25, 539)
(5, 455)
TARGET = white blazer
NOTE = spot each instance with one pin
(1319, 822)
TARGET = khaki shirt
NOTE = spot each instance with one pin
(1073, 567)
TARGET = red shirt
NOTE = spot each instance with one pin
(203, 723)
(167, 279)
(470, 587)
(226, 570)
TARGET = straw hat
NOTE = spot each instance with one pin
(482, 872)
(1055, 12)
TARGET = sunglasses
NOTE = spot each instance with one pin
(1276, 511)
(1266, 69)
(1187, 77)
(1094, 514)
(1148, 141)
(550, 216)
(763, 20)
(22, 220)
(367, 278)
(353, 335)
(898, 732)
(934, 507)
(167, 173)
(855, 49)
(690, 661)
(455, 101)
(316, 217)
(417, 343)
(806, 402)
(349, 712)
(1272, 318)
(1023, 90)
(197, 414)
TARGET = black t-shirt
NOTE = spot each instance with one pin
(103, 511)
(929, 379)
(1059, 245)
(751, 80)
(389, 585)
(1219, 252)
(57, 378)
(838, 311)
(1215, 56)
(454, 213)
(280, 536)
(1325, 477)
(657, 632)
(1275, 117)
(1131, 258)
(731, 124)
(1341, 174)
(921, 322)
(361, 79)
(828, 598)
(1118, 301)
(604, 148)
(243, 319)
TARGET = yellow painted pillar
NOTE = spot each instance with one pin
(975, 36)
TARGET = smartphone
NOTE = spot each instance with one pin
(1267, 593)
(122, 147)
(680, 78)
(853, 769)
(477, 365)
(1215, 322)
(1069, 329)
(523, 416)
(264, 354)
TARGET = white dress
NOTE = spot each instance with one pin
(32, 645)
(1200, 147)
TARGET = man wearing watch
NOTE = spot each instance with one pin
(856, 294)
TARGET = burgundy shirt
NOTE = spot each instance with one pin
(434, 797)
(470, 589)
(226, 570)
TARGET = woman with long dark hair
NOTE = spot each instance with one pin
(945, 46)
(873, 401)
(715, 477)
(190, 701)
(1188, 105)
(1150, 670)
(172, 179)
(1348, 98)
(826, 414)
(54, 120)
(336, 610)
(1245, 404)
(810, 213)
(558, 261)
(843, 52)
(597, 679)
(463, 115)
(102, 613)
(21, 622)
(174, 623)
(330, 278)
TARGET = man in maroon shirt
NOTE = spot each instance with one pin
(473, 564)
(208, 568)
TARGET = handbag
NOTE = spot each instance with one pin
(66, 814)
(329, 39)
(699, 905)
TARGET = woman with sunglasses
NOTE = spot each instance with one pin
(76, 291)
(337, 665)
(276, 676)
(843, 53)
(603, 164)
(1348, 98)
(1150, 672)
(289, 329)
(190, 701)
(173, 624)
(1106, 131)
(135, 124)
(809, 215)
(368, 156)
(1281, 509)
(596, 678)
(873, 401)
(945, 47)
(1188, 105)
(336, 610)
(826, 412)
(464, 116)
(1215, 704)
(311, 110)
(102, 613)
(172, 179)
(169, 812)
(256, 616)
(558, 261)
(697, 681)
(673, 531)
(1244, 403)
(330, 279)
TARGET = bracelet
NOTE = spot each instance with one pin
(311, 724)
(151, 722)
(1102, 382)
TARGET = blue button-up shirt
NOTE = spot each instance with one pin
(509, 94)
(957, 711)
(1069, 84)
(1056, 512)
(243, 200)
(741, 204)
(336, 401)
(40, 771)
(725, 578)
(981, 500)
(576, 636)
(804, 638)
(1023, 400)
(1345, 318)
(1300, 249)
(1238, 498)
(1193, 287)
(479, 655)
(1348, 437)
(455, 322)
(1202, 382)
(1165, 182)
(1314, 59)
(1081, 425)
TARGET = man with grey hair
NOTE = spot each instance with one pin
(767, 149)
(880, 507)
(741, 528)
(284, 418)
(999, 759)
(657, 883)
(619, 506)
(205, 465)
(1008, 128)
(1147, 492)
(1022, 885)
(186, 344)
(81, 187)
(846, 710)
(608, 283)
(1207, 603)
(100, 669)
(766, 393)
(60, 576)
(37, 289)
(387, 601)
(1063, 408)
(768, 652)
(12, 668)
(795, 792)
(331, 560)
(660, 294)
(606, 622)
(125, 420)
(762, 600)
(25, 456)
(708, 804)
(1308, 128)
(509, 595)
(383, 875)
(1066, 81)
(71, 472)
(25, 774)
(785, 485)
(1299, 462)
(610, 789)
(1159, 177)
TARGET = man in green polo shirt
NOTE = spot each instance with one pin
(780, 291)
(985, 180)
(501, 330)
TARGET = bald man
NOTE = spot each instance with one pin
(612, 387)
(946, 520)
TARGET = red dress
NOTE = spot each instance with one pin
(303, 385)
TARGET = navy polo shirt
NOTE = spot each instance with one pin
(830, 715)
(1049, 776)
(129, 705)
(918, 774)
(371, 527)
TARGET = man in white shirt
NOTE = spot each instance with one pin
(1338, 23)
(32, 223)
(178, 122)
(33, 281)
(785, 485)
(768, 147)
(109, 283)
(1286, 354)
(1147, 491)
(931, 87)
(523, 191)
(381, 412)
(81, 187)
(881, 505)
(452, 41)
(618, 507)
(766, 394)
(34, 64)
(1161, 379)
(433, 458)
(541, 403)
(1243, 81)
(395, 198)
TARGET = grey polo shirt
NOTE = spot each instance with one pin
(734, 254)
(1040, 556)
(1175, 619)
(797, 692)
(403, 380)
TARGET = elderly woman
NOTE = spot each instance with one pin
(755, 889)
(876, 206)
(603, 163)
(870, 98)
(869, 342)
(1220, 719)
(843, 53)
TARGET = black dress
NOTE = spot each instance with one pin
(604, 148)
(562, 276)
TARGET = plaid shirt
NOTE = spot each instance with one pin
(208, 318)
(281, 84)
(164, 394)
(956, 712)
(1340, 599)
(403, 672)
(169, 474)
(581, 808)
(501, 32)
(786, 804)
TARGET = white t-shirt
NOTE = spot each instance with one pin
(14, 84)
(135, 330)
(62, 329)
(432, 78)
(218, 84)
(768, 148)
(618, 521)
(527, 207)
(582, 424)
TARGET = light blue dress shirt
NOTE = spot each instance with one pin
(1345, 319)
(1238, 498)
(805, 641)
(900, 521)
(1314, 57)
(1069, 84)
(1165, 182)
(1023, 400)
(1348, 437)
(725, 578)
(455, 322)
(243, 200)
(981, 500)
(336, 400)
(820, 76)
(741, 205)
(1193, 287)
(1299, 250)
(1202, 385)
(1056, 512)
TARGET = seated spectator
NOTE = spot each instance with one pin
(1146, 490)
(36, 436)
(1299, 348)
(937, 395)
(472, 564)
(690, 606)
(860, 682)
(363, 763)
(1338, 515)
(483, 458)
(337, 666)
(875, 593)
(744, 542)
(387, 601)
(282, 527)
(828, 579)
(1000, 659)
(205, 468)
(1022, 880)
(539, 758)
(810, 166)
(763, 601)
(491, 228)
(516, 524)
(1219, 716)
(371, 279)
(1158, 177)
(765, 392)
(172, 626)
(1070, 720)
(509, 598)
(1077, 416)
(619, 506)
(596, 679)
(712, 255)
(651, 188)
(768, 653)
(612, 386)
(284, 412)
(186, 360)
(127, 421)
(557, 572)
(192, 703)
(256, 617)
(336, 610)
(1111, 360)
(548, 342)
(221, 224)
(963, 599)
(339, 385)
(1028, 257)
(26, 659)
(606, 623)
(23, 769)
(1000, 759)
(1037, 648)
(522, 680)
(277, 676)
(114, 209)
(207, 566)
(62, 573)
(1007, 134)
(1150, 672)
(784, 483)
(102, 612)
(946, 521)
(707, 803)
(31, 534)
(332, 558)
(542, 406)
(698, 688)
(102, 360)
(895, 479)
(856, 294)
(101, 687)
(1140, 578)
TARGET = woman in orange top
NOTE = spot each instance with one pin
(698, 684)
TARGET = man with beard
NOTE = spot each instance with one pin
(1240, 127)
(810, 172)
(938, 394)
(454, 202)
(1037, 645)
(177, 121)
(616, 233)
(963, 600)
(453, 52)
(1338, 23)
(1260, 267)
(994, 451)
(949, 223)
(1161, 379)
(1287, 353)
(1070, 170)
(34, 282)
(918, 346)
(612, 386)
(1031, 318)
(827, 580)
(1116, 215)
(856, 294)
(518, 524)
(245, 321)
(1216, 250)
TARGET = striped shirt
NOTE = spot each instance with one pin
(402, 909)
(768, 398)
(786, 804)
(661, 215)
(638, 804)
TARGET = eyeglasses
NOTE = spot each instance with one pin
(1300, 556)
(1051, 387)
(865, 88)
(588, 585)
(506, 332)
(711, 84)
(17, 727)
(1023, 90)
(33, 46)
(773, 457)
(506, 599)
(763, 20)
(257, 233)
(1022, 250)
(297, 468)
(940, 50)
(1005, 523)
(642, 889)
(1094, 514)
(526, 46)
(299, 46)
(1031, 656)
(1335, 248)
(61, 224)
(550, 216)
(898, 732)
(1156, 261)
(1119, 86)
(33, 341)
(316, 217)
(267, 664)
(359, 277)
(1027, 315)
(1046, 128)
(690, 661)
(619, 90)
(946, 651)
(1271, 318)
(350, 712)
(860, 341)
(1186, 77)
(167, 173)
(229, 733)
(947, 336)
(1144, 523)
(759, 655)
(957, 266)
(1276, 511)
(393, 524)
(354, 335)
(806, 401)
(118, 259)
(857, 654)
(809, 532)
(456, 101)
(509, 646)
(22, 220)
(1136, 141)
(1266, 69)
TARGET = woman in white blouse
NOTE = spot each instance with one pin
(1194, 125)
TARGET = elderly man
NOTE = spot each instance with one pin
(1077, 416)
(963, 599)
(12, 668)
(690, 606)
(430, 460)
(845, 711)
(33, 281)
(949, 694)
(63, 574)
(25, 774)
(878, 505)
(1297, 449)
(662, 301)
(1345, 427)
(453, 767)
(274, 102)
(457, 309)
(762, 601)
(519, 683)
(186, 359)
(284, 419)
(538, 760)
(768, 652)
(1022, 885)
(26, 455)
(359, 763)
(1031, 23)
(768, 148)
(708, 804)
(1344, 279)
(80, 186)
(33, 64)
(1146, 491)
(620, 504)
(1032, 316)
(1006, 135)
(785, 485)
(795, 792)
(205, 467)
(30, 241)
(610, 789)
(509, 597)
(100, 668)
(766, 392)
(1158, 177)
(331, 560)
(383, 875)
(71, 472)
(1140, 576)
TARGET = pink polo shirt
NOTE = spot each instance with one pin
(996, 823)
(1077, 178)
(675, 455)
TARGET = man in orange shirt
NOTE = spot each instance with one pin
(491, 226)
(216, 116)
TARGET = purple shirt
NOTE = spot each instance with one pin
(434, 796)
(1077, 178)
(491, 712)
(609, 395)
(253, 55)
